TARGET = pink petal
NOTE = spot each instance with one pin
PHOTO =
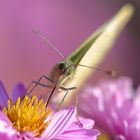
(19, 91)
(6, 130)
(120, 137)
(3, 96)
(4, 119)
(4, 136)
(86, 123)
(78, 132)
(59, 123)
(81, 134)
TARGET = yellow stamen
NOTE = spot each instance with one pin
(103, 135)
(28, 115)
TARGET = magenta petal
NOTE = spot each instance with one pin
(3, 96)
(29, 136)
(4, 136)
(78, 132)
(4, 118)
(7, 132)
(114, 105)
(19, 91)
(81, 134)
(120, 137)
(59, 123)
(86, 123)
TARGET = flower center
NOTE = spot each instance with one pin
(28, 115)
(103, 135)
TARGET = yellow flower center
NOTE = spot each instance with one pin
(103, 135)
(28, 115)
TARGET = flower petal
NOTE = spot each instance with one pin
(86, 123)
(60, 122)
(4, 119)
(78, 132)
(4, 136)
(114, 105)
(6, 130)
(3, 96)
(120, 137)
(19, 91)
(81, 134)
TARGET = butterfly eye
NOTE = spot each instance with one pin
(64, 68)
(61, 66)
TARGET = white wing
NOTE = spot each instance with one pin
(99, 49)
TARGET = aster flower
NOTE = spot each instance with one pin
(115, 107)
(29, 119)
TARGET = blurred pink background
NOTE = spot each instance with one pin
(24, 57)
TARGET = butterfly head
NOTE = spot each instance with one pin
(67, 68)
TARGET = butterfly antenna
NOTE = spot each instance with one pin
(40, 35)
(108, 72)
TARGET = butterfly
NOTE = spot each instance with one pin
(72, 72)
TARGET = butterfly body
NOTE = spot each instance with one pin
(90, 53)
(62, 72)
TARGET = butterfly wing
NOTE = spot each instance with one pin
(96, 47)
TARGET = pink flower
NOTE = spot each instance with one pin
(115, 106)
(29, 119)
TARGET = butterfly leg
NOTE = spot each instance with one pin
(76, 101)
(44, 85)
(36, 83)
(41, 84)
(67, 91)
